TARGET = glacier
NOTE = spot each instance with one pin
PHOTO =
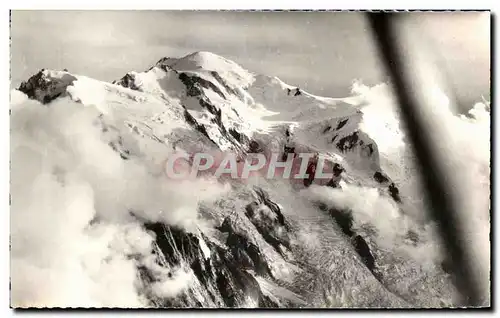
(96, 223)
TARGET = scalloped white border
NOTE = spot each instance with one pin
(185, 4)
(254, 4)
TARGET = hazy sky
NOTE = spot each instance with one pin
(320, 51)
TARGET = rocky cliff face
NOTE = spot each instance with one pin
(45, 86)
(252, 256)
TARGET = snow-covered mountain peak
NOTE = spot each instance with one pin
(202, 61)
(265, 243)
(229, 105)
(47, 85)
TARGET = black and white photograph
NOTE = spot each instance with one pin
(290, 159)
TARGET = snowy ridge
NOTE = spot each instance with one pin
(262, 244)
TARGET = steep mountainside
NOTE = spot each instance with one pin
(260, 243)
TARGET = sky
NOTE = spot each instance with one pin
(322, 52)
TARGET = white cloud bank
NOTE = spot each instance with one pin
(465, 142)
(73, 241)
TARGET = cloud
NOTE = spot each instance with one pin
(73, 239)
(464, 145)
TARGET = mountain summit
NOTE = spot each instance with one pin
(348, 242)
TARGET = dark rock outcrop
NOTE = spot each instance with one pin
(348, 142)
(193, 122)
(247, 254)
(394, 192)
(221, 81)
(369, 149)
(241, 138)
(128, 81)
(333, 184)
(287, 150)
(194, 85)
(163, 65)
(264, 198)
(364, 252)
(344, 220)
(381, 177)
(45, 88)
(341, 124)
(223, 274)
(120, 149)
(269, 221)
(337, 171)
(254, 147)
